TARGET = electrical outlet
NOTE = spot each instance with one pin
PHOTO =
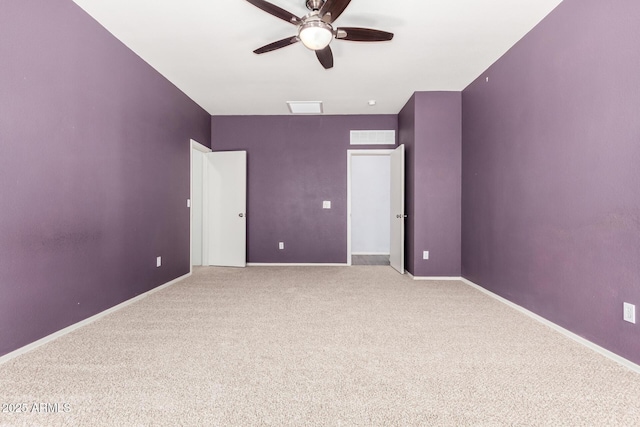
(425, 254)
(326, 204)
(280, 245)
(158, 261)
(188, 203)
(629, 312)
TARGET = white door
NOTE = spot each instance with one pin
(225, 226)
(396, 257)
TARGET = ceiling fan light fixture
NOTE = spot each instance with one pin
(315, 35)
(315, 30)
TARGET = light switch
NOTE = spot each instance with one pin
(188, 203)
(326, 204)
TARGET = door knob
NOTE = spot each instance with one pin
(241, 215)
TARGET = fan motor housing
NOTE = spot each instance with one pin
(314, 4)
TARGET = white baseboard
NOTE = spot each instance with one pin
(595, 347)
(294, 264)
(27, 348)
(434, 277)
(370, 253)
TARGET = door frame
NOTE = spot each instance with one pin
(350, 155)
(193, 145)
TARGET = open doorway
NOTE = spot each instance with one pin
(218, 207)
(375, 207)
(370, 207)
(197, 199)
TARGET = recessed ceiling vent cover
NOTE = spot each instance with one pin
(373, 137)
(305, 107)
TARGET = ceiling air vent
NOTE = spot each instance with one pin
(305, 107)
(373, 137)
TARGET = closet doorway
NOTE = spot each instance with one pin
(218, 207)
(375, 207)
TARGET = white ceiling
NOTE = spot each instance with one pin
(205, 47)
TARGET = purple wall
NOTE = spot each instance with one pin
(430, 127)
(551, 176)
(294, 163)
(94, 171)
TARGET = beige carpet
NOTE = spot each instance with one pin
(334, 346)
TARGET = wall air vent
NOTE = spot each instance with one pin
(373, 137)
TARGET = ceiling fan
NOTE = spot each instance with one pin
(315, 30)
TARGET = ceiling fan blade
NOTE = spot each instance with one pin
(362, 34)
(277, 45)
(276, 11)
(325, 56)
(331, 9)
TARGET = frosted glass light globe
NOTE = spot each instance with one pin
(315, 35)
